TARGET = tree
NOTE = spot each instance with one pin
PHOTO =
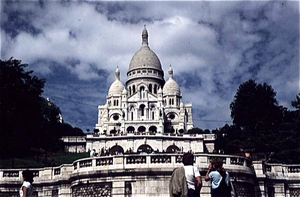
(229, 139)
(19, 105)
(255, 111)
(27, 120)
(195, 130)
(255, 105)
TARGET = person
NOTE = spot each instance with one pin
(192, 175)
(93, 153)
(26, 189)
(220, 180)
(186, 180)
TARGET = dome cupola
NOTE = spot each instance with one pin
(145, 64)
(171, 87)
(117, 86)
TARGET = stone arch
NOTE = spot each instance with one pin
(113, 131)
(116, 149)
(130, 129)
(141, 129)
(145, 148)
(153, 129)
(172, 149)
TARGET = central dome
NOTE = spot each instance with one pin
(144, 57)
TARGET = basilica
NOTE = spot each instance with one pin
(146, 103)
(145, 114)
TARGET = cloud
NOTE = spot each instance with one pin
(213, 47)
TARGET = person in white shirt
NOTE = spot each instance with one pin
(26, 189)
(192, 175)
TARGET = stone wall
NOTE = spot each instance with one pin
(127, 175)
(148, 175)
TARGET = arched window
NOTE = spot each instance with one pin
(131, 110)
(141, 129)
(155, 89)
(150, 88)
(133, 89)
(170, 102)
(142, 92)
(153, 115)
(130, 91)
(130, 129)
(145, 148)
(153, 129)
(172, 149)
(116, 150)
(142, 108)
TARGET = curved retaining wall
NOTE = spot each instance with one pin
(125, 175)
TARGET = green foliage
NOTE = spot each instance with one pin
(19, 105)
(255, 106)
(261, 126)
(196, 130)
(27, 120)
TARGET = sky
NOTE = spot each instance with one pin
(212, 46)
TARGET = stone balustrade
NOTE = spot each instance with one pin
(148, 174)
(128, 161)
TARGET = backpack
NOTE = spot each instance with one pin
(224, 188)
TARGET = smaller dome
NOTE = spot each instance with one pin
(171, 87)
(117, 86)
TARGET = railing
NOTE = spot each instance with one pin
(127, 162)
(281, 170)
(204, 136)
(104, 161)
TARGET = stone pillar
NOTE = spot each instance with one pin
(279, 190)
(117, 189)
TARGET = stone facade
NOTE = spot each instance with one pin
(147, 104)
(147, 114)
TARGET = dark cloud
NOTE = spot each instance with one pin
(15, 20)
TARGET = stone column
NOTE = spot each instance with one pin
(118, 189)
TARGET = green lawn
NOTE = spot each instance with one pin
(34, 162)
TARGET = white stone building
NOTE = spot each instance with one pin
(147, 104)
